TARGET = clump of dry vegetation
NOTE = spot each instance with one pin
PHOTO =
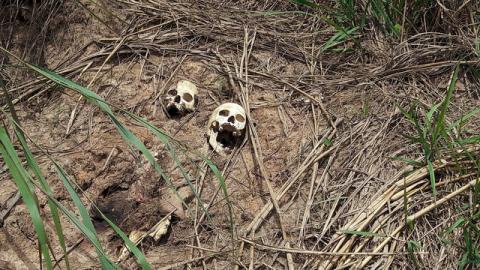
(361, 148)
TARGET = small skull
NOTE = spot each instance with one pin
(226, 127)
(182, 99)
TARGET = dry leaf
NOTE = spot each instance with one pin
(161, 228)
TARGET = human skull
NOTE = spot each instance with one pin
(182, 99)
(226, 127)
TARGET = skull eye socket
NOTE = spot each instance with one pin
(172, 92)
(187, 97)
(224, 113)
(240, 118)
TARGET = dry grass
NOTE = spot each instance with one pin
(338, 198)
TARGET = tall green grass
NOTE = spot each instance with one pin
(29, 184)
(352, 18)
(390, 16)
(440, 139)
(431, 129)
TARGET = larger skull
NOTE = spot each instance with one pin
(182, 99)
(226, 127)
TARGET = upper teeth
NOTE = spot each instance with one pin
(230, 118)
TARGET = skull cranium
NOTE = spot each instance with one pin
(226, 127)
(182, 99)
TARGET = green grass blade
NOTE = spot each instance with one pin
(412, 246)
(43, 182)
(380, 12)
(463, 120)
(431, 173)
(458, 223)
(223, 185)
(87, 222)
(89, 225)
(79, 224)
(22, 179)
(338, 38)
(440, 125)
(469, 140)
(429, 115)
(131, 246)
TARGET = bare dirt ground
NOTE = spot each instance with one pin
(326, 168)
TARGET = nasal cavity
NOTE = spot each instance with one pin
(231, 119)
(177, 99)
